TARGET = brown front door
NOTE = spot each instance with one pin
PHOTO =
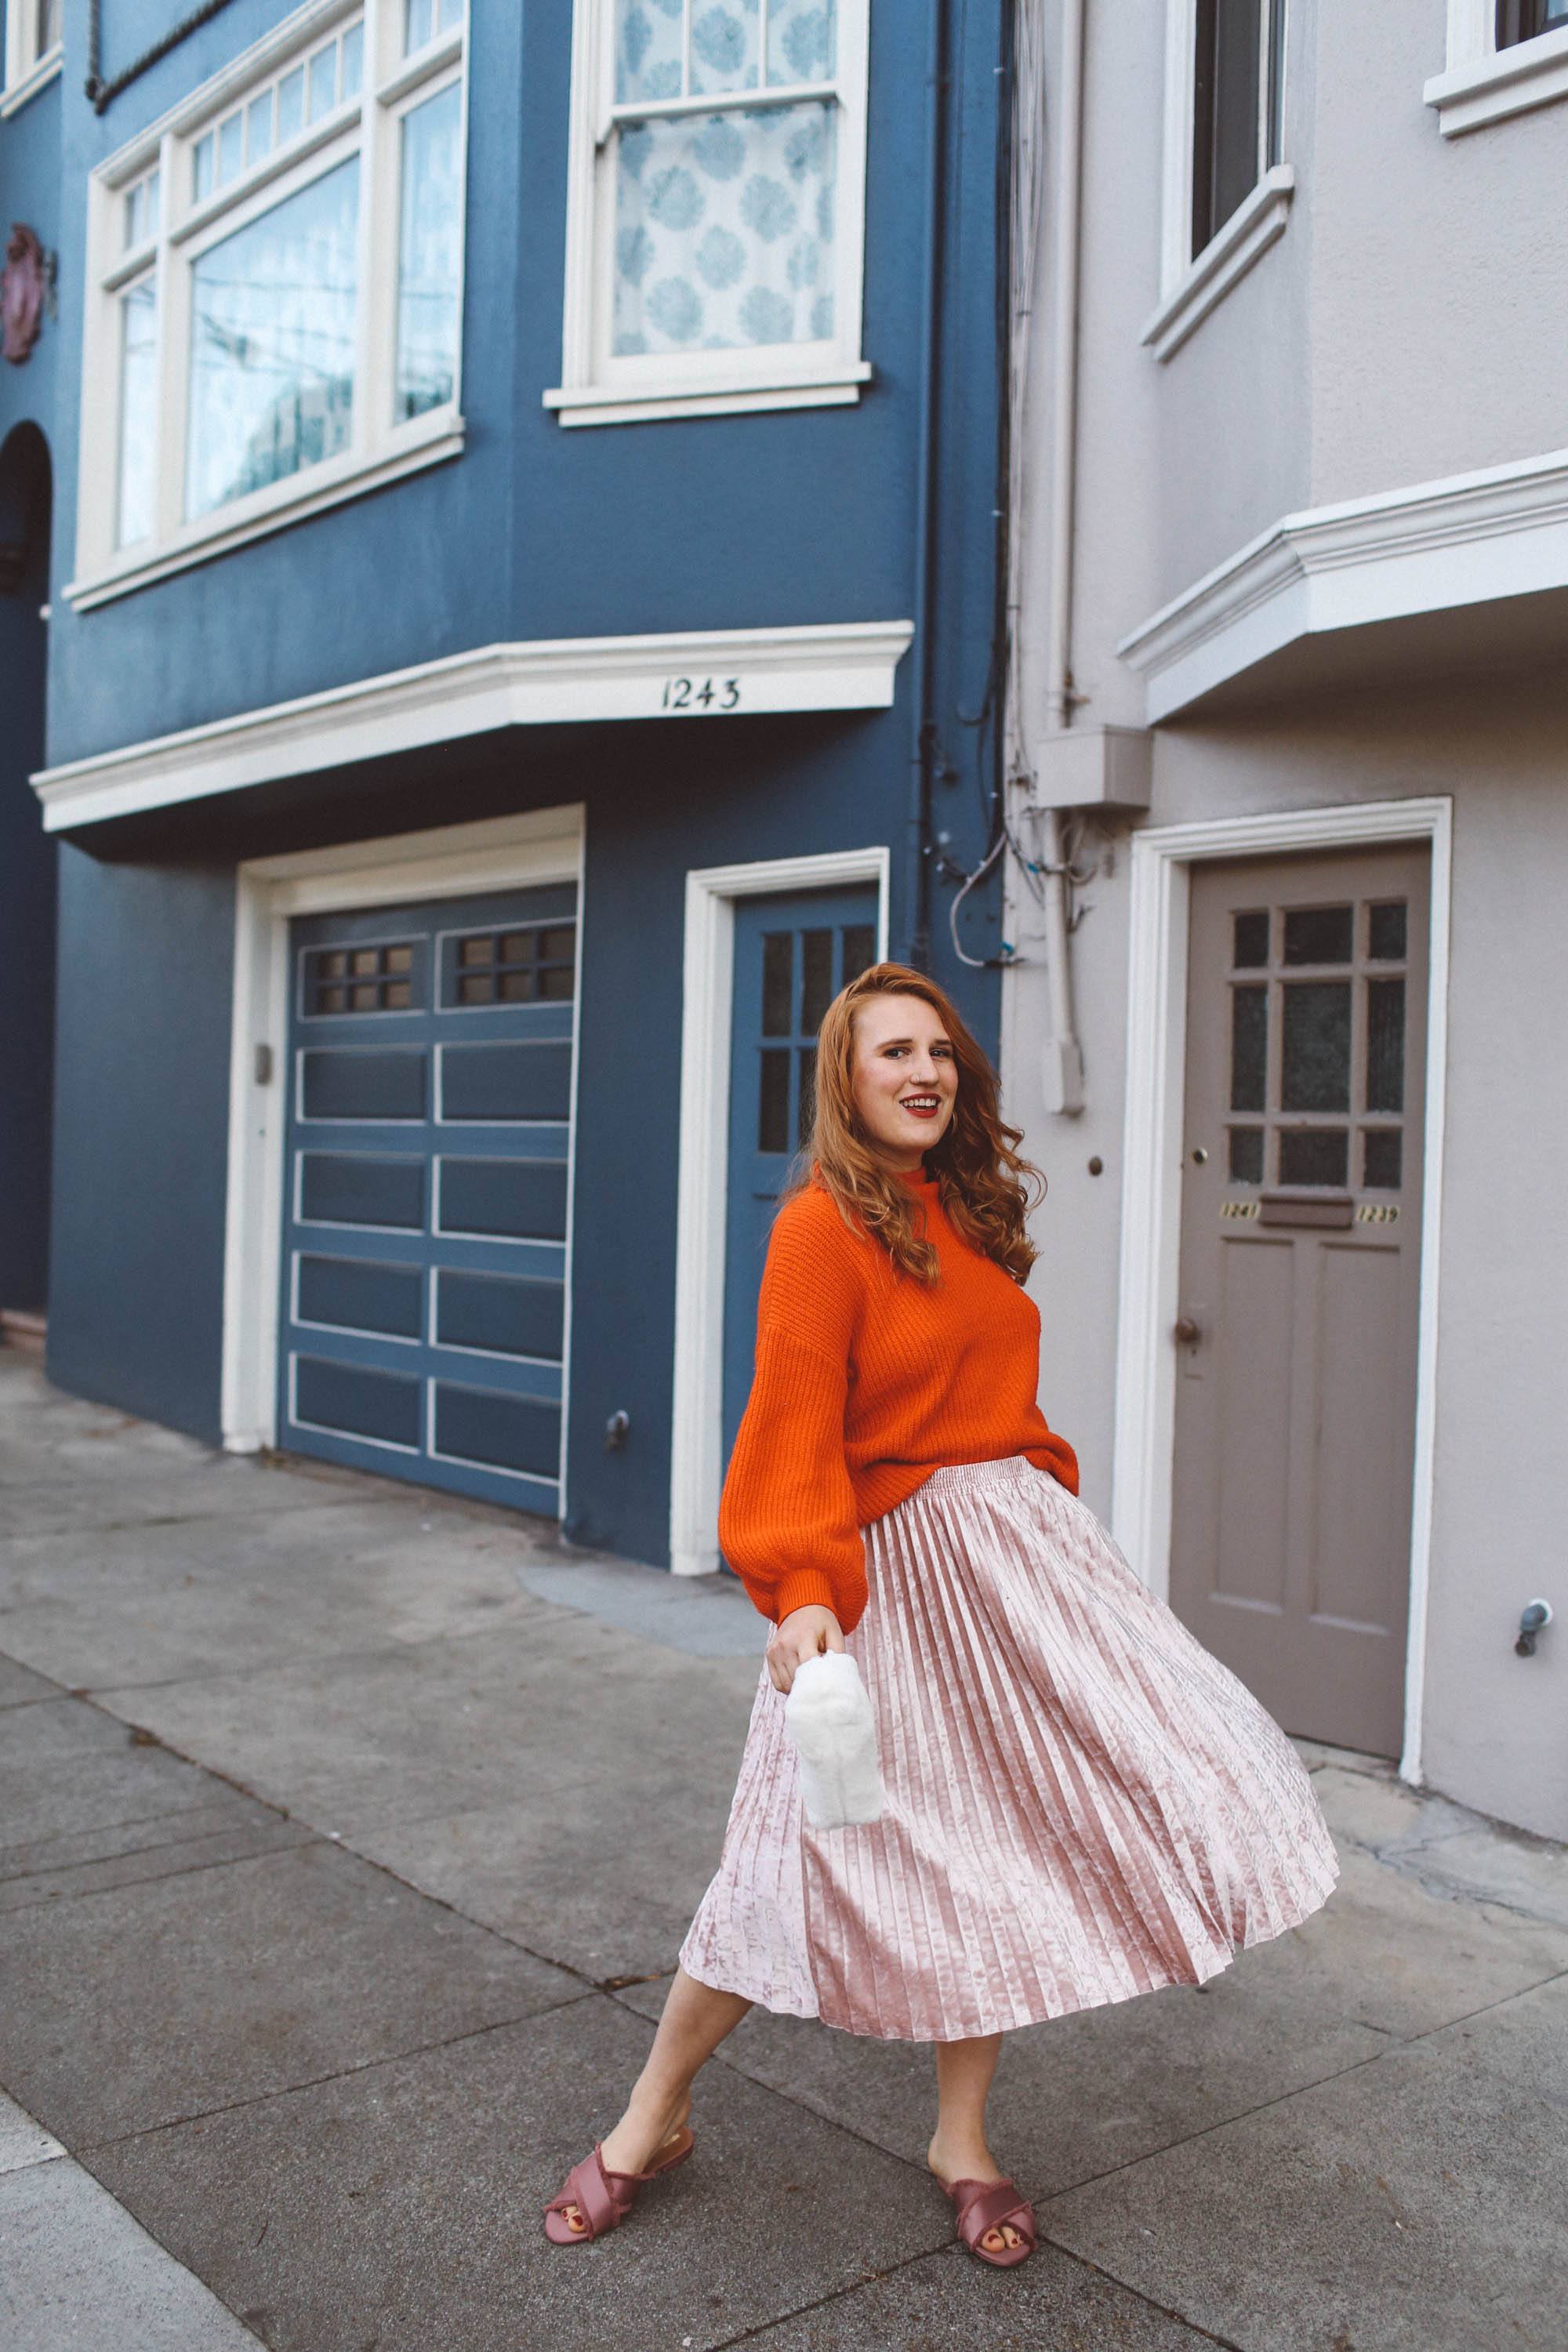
(1299, 1272)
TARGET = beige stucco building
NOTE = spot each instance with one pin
(1290, 698)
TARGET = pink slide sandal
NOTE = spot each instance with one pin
(602, 2200)
(984, 2205)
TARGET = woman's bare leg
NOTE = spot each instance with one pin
(959, 2150)
(695, 2021)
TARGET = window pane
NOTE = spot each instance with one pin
(354, 60)
(1319, 934)
(1524, 20)
(859, 952)
(1251, 941)
(724, 230)
(723, 46)
(1386, 925)
(290, 104)
(773, 1116)
(1385, 1044)
(1225, 112)
(50, 20)
(1248, 1047)
(649, 44)
(1314, 1155)
(1383, 1155)
(418, 25)
(272, 332)
(138, 410)
(202, 159)
(802, 40)
(778, 967)
(448, 13)
(816, 979)
(1247, 1155)
(429, 257)
(258, 126)
(150, 191)
(230, 147)
(323, 82)
(1315, 1059)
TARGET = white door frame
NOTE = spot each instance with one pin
(696, 1461)
(1161, 864)
(450, 861)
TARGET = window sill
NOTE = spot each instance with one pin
(1508, 81)
(324, 486)
(626, 404)
(1255, 224)
(35, 78)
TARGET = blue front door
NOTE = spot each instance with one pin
(792, 954)
(425, 1242)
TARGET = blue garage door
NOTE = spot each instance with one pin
(427, 1221)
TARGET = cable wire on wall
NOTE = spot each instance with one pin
(102, 93)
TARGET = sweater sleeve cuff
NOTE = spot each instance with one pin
(804, 1588)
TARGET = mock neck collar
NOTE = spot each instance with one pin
(917, 1179)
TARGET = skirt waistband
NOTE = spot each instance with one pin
(1007, 1472)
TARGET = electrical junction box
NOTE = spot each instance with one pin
(1093, 767)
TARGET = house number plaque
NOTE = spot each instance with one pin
(701, 695)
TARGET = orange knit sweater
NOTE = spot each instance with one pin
(866, 1382)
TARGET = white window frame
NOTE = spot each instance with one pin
(380, 450)
(1482, 83)
(1191, 285)
(27, 67)
(598, 388)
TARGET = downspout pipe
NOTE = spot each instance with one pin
(923, 732)
(1063, 1072)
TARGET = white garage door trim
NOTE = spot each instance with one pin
(1163, 859)
(449, 861)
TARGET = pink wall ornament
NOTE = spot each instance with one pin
(24, 288)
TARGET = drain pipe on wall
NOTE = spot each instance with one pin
(1062, 1075)
(922, 740)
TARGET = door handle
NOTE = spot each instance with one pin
(1187, 1333)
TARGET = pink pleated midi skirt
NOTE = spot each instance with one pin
(1082, 1802)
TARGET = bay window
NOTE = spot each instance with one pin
(278, 274)
(715, 236)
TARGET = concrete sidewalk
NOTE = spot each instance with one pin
(348, 1837)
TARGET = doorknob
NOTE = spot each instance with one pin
(1187, 1333)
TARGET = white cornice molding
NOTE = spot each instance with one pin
(1251, 229)
(1468, 540)
(845, 665)
(1488, 84)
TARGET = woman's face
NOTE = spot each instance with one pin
(905, 1077)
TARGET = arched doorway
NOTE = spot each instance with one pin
(28, 882)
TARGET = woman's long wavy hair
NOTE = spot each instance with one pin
(986, 1190)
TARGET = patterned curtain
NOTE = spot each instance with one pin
(724, 212)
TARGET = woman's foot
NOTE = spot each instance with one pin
(973, 2160)
(642, 2133)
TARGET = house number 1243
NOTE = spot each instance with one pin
(700, 694)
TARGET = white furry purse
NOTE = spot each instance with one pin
(828, 1716)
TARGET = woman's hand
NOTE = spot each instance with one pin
(803, 1634)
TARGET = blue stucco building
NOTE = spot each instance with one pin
(522, 598)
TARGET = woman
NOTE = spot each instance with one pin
(1081, 1803)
